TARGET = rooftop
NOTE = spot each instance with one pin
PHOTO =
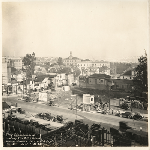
(122, 81)
(72, 58)
(128, 72)
(42, 77)
(99, 76)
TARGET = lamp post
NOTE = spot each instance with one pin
(76, 103)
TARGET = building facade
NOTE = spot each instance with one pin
(95, 81)
(122, 84)
(15, 62)
(71, 61)
(129, 74)
(6, 72)
(91, 67)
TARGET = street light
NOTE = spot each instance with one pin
(76, 103)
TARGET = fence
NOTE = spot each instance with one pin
(70, 135)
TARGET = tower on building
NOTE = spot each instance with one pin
(70, 57)
(70, 53)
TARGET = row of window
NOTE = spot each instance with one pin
(69, 60)
(17, 60)
(123, 86)
(126, 78)
(93, 64)
(71, 63)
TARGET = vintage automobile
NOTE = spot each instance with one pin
(145, 119)
(73, 84)
(137, 116)
(127, 115)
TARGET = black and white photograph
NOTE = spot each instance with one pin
(75, 73)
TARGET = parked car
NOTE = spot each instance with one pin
(28, 99)
(73, 84)
(145, 119)
(127, 115)
(13, 109)
(137, 116)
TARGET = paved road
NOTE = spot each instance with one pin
(71, 114)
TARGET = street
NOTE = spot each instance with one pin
(106, 121)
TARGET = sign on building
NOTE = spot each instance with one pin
(66, 88)
(43, 96)
(88, 99)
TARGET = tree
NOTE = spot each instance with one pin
(76, 72)
(66, 70)
(103, 68)
(29, 62)
(52, 65)
(141, 78)
(46, 65)
(60, 61)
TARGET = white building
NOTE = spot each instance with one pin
(98, 66)
(71, 60)
(6, 72)
(17, 62)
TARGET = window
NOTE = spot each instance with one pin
(101, 81)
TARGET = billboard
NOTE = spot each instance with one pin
(66, 88)
(43, 96)
(114, 102)
(88, 99)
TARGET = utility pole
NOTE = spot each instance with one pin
(26, 80)
(76, 104)
(109, 95)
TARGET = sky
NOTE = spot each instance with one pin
(92, 29)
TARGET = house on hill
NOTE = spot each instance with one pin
(95, 81)
(43, 81)
(129, 74)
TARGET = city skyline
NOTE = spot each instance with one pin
(100, 30)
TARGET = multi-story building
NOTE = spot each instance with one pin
(15, 62)
(71, 61)
(95, 81)
(91, 67)
(6, 72)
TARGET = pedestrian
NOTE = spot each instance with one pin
(112, 111)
